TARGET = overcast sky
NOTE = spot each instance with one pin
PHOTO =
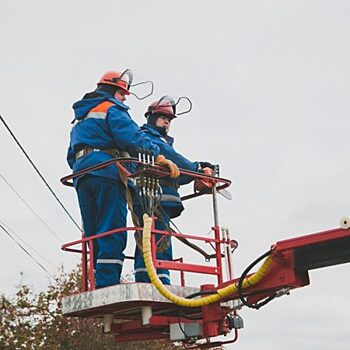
(269, 81)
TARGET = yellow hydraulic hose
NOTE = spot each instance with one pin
(210, 299)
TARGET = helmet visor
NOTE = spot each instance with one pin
(127, 77)
(141, 88)
(179, 105)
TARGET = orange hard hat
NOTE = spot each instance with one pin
(118, 79)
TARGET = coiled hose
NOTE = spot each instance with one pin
(210, 299)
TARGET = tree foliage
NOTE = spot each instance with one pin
(35, 321)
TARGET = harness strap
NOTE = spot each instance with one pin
(128, 197)
(114, 152)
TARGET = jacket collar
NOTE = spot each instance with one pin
(149, 128)
(91, 100)
(108, 97)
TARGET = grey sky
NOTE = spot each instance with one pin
(269, 81)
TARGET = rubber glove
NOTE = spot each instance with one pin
(174, 170)
(204, 185)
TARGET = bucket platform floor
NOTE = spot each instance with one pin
(125, 301)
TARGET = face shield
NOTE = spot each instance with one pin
(141, 89)
(171, 106)
(161, 112)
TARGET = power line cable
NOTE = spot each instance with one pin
(26, 251)
(24, 242)
(30, 208)
(39, 173)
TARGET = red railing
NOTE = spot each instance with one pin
(84, 246)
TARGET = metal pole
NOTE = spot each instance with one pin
(229, 254)
(217, 229)
(84, 266)
(224, 232)
(215, 200)
(91, 267)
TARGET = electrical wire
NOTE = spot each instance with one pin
(177, 230)
(31, 209)
(191, 296)
(39, 173)
(32, 248)
(26, 251)
(181, 312)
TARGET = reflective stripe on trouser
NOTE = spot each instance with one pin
(139, 265)
(103, 208)
(142, 276)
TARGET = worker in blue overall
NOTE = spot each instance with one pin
(103, 130)
(159, 116)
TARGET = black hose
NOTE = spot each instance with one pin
(240, 284)
(200, 293)
(194, 295)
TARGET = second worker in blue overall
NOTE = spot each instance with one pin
(159, 116)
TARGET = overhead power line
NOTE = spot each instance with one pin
(30, 208)
(39, 173)
(26, 251)
(28, 245)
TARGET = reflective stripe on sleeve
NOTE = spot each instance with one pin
(170, 198)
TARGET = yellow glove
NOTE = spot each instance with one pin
(174, 170)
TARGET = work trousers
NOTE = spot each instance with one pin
(139, 264)
(103, 208)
